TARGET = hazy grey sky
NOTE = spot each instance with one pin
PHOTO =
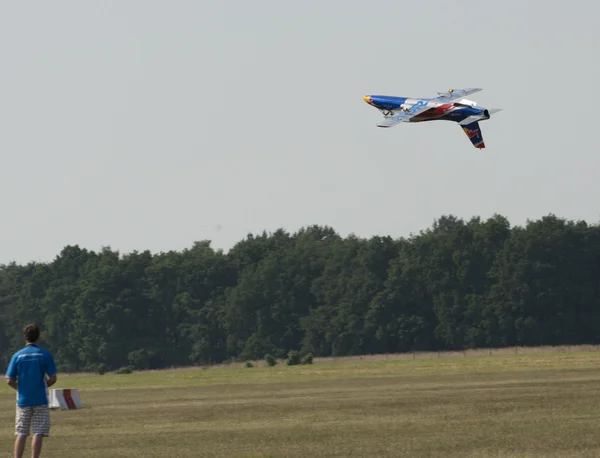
(152, 124)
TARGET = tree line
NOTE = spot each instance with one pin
(456, 285)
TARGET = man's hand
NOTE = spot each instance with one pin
(12, 383)
(51, 381)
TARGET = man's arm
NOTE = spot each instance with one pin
(51, 370)
(11, 373)
(51, 381)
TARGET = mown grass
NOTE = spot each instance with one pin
(504, 405)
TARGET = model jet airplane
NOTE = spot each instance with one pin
(441, 108)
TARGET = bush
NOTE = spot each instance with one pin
(270, 360)
(293, 358)
(101, 369)
(124, 370)
(143, 359)
(308, 359)
(249, 364)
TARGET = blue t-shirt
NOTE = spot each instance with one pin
(30, 366)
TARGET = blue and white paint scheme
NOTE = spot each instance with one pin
(447, 106)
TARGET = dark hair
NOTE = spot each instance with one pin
(31, 333)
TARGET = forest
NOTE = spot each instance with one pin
(459, 284)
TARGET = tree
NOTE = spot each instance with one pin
(458, 284)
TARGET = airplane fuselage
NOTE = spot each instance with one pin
(438, 111)
(450, 106)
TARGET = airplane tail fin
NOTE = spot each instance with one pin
(474, 133)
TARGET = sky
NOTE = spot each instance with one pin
(146, 124)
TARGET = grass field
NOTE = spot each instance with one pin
(510, 404)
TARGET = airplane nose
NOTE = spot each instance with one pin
(367, 98)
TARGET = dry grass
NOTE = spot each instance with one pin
(504, 405)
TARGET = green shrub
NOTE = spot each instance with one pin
(270, 360)
(249, 364)
(293, 358)
(101, 369)
(308, 359)
(142, 359)
(124, 370)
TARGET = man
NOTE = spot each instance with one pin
(27, 374)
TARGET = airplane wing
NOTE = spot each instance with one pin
(454, 94)
(400, 116)
(474, 133)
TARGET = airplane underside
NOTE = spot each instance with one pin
(442, 113)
